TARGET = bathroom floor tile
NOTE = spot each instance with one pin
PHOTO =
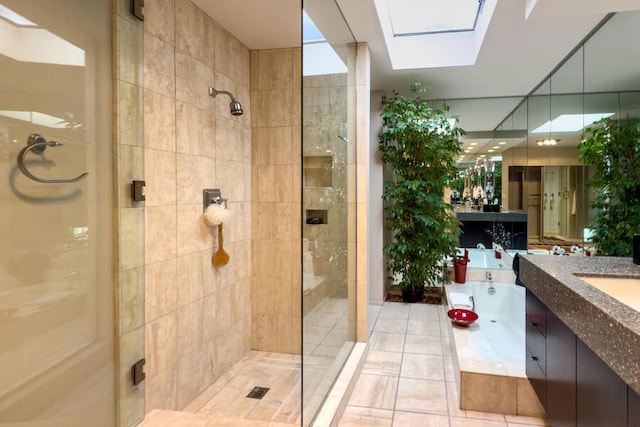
(412, 419)
(355, 416)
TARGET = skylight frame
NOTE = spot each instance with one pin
(478, 11)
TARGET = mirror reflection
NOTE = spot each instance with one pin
(523, 184)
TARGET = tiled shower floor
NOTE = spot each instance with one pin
(407, 380)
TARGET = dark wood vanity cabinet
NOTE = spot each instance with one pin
(574, 385)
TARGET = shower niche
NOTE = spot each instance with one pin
(317, 171)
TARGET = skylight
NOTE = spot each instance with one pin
(318, 57)
(15, 17)
(570, 122)
(432, 33)
(310, 33)
(420, 17)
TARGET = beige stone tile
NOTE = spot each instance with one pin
(229, 179)
(190, 328)
(160, 233)
(382, 363)
(194, 174)
(425, 396)
(131, 238)
(161, 391)
(275, 107)
(423, 327)
(412, 419)
(374, 391)
(383, 341)
(398, 326)
(159, 19)
(193, 77)
(528, 402)
(421, 344)
(159, 66)
(195, 372)
(193, 233)
(395, 310)
(422, 366)
(189, 270)
(229, 139)
(161, 344)
(130, 50)
(275, 69)
(489, 416)
(130, 104)
(467, 422)
(453, 399)
(451, 372)
(230, 55)
(489, 393)
(195, 130)
(271, 297)
(519, 421)
(355, 416)
(132, 294)
(192, 34)
(161, 291)
(274, 146)
(167, 418)
(160, 178)
(159, 122)
(131, 407)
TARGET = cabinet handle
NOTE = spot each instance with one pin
(534, 358)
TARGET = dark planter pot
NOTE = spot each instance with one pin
(412, 295)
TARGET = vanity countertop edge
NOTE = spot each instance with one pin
(610, 328)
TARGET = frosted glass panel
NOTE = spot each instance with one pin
(56, 283)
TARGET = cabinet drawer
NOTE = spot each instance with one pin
(536, 313)
(537, 378)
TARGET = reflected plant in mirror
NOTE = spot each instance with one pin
(612, 148)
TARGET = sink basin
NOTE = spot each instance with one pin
(624, 289)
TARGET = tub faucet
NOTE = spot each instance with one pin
(481, 246)
(488, 275)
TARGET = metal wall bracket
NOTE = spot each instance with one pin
(210, 196)
(137, 191)
(136, 9)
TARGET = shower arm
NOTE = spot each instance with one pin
(213, 92)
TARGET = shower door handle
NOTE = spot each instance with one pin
(38, 144)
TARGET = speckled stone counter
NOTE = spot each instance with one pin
(610, 328)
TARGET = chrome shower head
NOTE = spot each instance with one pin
(235, 107)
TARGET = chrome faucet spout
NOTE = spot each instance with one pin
(488, 275)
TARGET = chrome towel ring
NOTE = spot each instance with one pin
(37, 143)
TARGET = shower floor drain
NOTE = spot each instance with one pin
(258, 392)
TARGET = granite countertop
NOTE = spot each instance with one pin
(609, 327)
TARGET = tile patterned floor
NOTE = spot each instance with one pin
(408, 377)
(407, 380)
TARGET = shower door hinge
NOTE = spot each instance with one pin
(136, 9)
(137, 191)
(137, 372)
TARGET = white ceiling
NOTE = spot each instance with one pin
(517, 53)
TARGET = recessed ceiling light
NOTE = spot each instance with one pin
(474, 143)
(495, 147)
(467, 151)
(502, 143)
(482, 155)
(490, 151)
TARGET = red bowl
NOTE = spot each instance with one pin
(462, 317)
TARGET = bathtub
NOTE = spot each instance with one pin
(485, 258)
(492, 351)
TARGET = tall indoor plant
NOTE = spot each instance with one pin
(419, 146)
(612, 148)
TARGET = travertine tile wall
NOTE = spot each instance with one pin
(275, 94)
(197, 316)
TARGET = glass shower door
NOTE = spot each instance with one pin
(56, 275)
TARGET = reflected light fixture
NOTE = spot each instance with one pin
(547, 142)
